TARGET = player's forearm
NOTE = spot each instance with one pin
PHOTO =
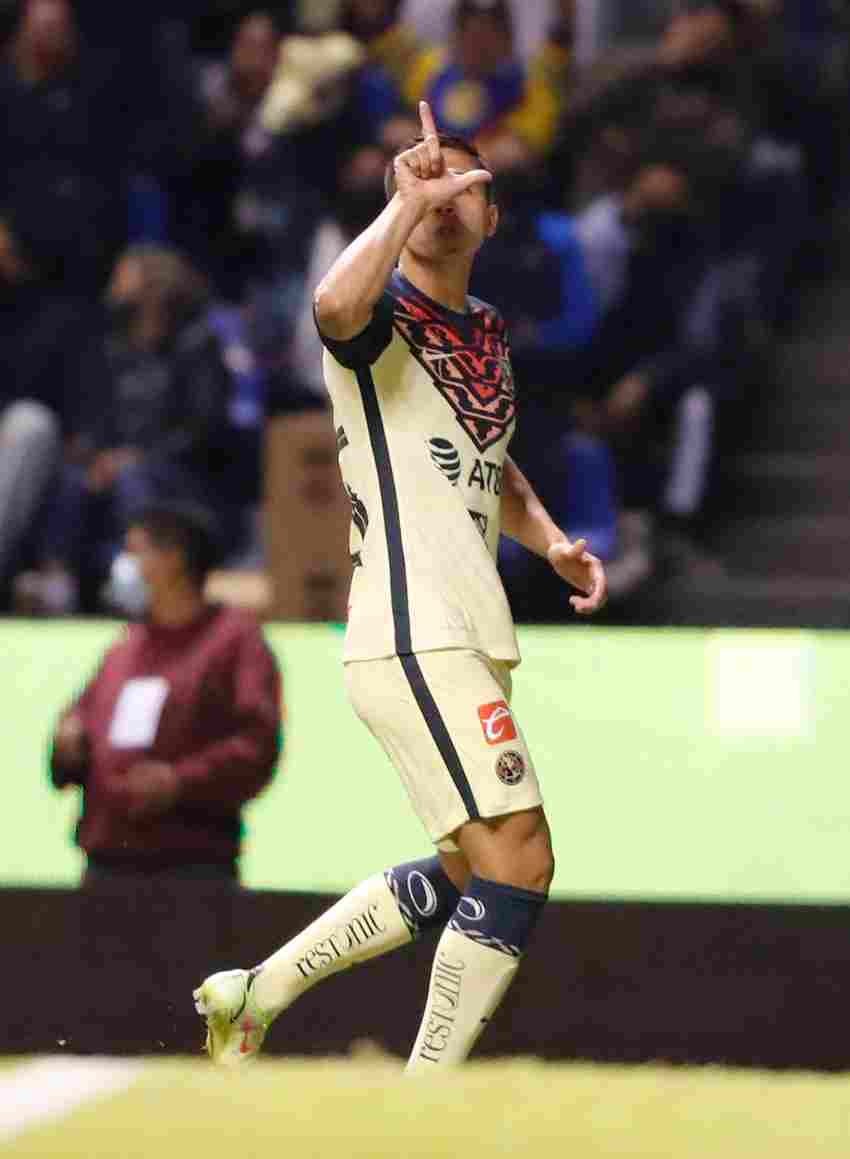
(347, 295)
(524, 518)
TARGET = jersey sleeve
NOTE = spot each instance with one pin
(367, 346)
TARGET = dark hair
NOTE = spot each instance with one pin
(499, 10)
(170, 279)
(741, 14)
(349, 22)
(259, 13)
(706, 169)
(670, 150)
(447, 141)
(188, 527)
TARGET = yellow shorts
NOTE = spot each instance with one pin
(444, 720)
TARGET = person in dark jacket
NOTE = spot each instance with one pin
(180, 727)
(65, 135)
(63, 139)
(154, 420)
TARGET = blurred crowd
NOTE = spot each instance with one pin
(177, 179)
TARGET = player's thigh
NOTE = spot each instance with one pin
(444, 720)
(382, 695)
(472, 696)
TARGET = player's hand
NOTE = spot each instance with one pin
(574, 563)
(152, 787)
(421, 175)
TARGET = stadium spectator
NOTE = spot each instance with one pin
(535, 265)
(360, 199)
(732, 45)
(555, 57)
(282, 117)
(671, 343)
(329, 81)
(233, 90)
(661, 230)
(691, 261)
(394, 51)
(390, 44)
(481, 89)
(718, 71)
(537, 268)
(153, 425)
(64, 141)
(39, 331)
(180, 727)
(234, 169)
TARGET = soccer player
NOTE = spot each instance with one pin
(424, 406)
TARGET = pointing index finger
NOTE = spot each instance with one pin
(426, 117)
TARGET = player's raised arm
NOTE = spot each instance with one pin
(347, 295)
(525, 519)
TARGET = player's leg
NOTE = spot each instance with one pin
(456, 868)
(479, 953)
(388, 910)
(382, 913)
(515, 849)
(485, 794)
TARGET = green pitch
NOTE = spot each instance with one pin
(325, 1110)
(675, 764)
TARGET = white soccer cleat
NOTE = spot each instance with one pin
(236, 1026)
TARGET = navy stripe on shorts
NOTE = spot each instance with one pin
(399, 594)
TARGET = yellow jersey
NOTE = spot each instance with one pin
(424, 409)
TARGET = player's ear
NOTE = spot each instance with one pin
(492, 219)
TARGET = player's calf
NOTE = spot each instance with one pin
(480, 950)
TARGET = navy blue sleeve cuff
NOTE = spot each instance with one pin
(367, 346)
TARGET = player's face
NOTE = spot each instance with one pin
(459, 228)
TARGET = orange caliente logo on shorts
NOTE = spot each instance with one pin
(497, 722)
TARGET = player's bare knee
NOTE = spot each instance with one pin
(537, 867)
(532, 851)
(456, 868)
(529, 869)
(546, 873)
(514, 850)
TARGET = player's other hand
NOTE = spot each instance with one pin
(574, 563)
(152, 788)
(421, 175)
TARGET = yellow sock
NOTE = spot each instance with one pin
(468, 981)
(362, 925)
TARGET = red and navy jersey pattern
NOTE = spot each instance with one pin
(466, 357)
